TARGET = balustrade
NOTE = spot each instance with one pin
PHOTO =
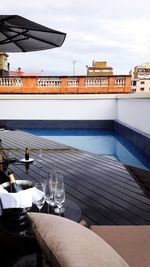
(74, 82)
(96, 82)
(10, 82)
(65, 85)
(48, 82)
(120, 81)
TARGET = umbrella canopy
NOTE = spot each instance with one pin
(18, 34)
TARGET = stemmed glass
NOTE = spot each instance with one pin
(40, 160)
(59, 196)
(41, 195)
(59, 178)
(48, 192)
(52, 177)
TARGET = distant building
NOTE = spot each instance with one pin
(4, 65)
(20, 72)
(141, 78)
(99, 68)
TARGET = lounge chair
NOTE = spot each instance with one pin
(69, 244)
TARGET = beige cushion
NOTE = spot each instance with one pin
(69, 244)
(131, 242)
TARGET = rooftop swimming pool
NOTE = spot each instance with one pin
(100, 142)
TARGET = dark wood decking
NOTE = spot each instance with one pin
(107, 192)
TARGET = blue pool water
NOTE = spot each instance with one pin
(107, 143)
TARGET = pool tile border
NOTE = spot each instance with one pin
(58, 124)
(139, 139)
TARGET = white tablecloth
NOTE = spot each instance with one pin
(21, 199)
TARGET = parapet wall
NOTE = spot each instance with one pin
(132, 110)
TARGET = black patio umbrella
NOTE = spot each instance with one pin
(18, 34)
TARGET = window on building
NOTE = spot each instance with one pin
(142, 82)
(142, 89)
(134, 83)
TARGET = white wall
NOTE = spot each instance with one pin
(61, 109)
(135, 113)
(131, 109)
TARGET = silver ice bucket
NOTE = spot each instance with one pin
(15, 218)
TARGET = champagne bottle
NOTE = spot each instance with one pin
(14, 187)
(27, 154)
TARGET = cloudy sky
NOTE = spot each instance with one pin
(115, 31)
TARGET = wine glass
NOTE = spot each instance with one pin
(40, 158)
(39, 163)
(59, 197)
(40, 187)
(59, 178)
(48, 192)
(52, 177)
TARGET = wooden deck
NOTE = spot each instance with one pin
(108, 192)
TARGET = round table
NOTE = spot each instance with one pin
(16, 220)
(72, 210)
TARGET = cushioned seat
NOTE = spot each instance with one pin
(69, 244)
(131, 242)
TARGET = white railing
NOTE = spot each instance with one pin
(96, 82)
(120, 81)
(74, 82)
(48, 82)
(11, 82)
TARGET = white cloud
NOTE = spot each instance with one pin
(113, 30)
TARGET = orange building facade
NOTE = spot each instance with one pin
(99, 80)
(65, 85)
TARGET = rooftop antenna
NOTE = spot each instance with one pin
(74, 62)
